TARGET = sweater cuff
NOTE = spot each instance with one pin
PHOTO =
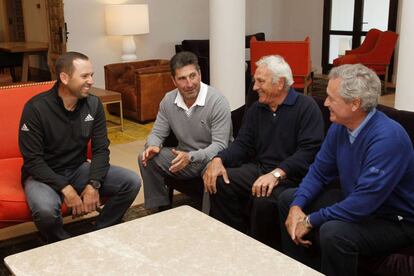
(60, 183)
(316, 219)
(222, 157)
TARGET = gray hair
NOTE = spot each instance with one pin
(279, 68)
(358, 81)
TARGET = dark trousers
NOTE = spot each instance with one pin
(234, 205)
(120, 185)
(338, 244)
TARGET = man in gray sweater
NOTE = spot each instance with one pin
(200, 118)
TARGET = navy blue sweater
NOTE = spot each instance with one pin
(288, 138)
(376, 173)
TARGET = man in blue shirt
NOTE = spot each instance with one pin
(373, 213)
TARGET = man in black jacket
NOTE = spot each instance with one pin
(55, 129)
(278, 140)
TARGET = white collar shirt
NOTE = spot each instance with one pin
(200, 101)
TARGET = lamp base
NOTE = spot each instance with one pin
(128, 57)
(128, 49)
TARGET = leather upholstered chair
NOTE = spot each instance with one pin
(142, 84)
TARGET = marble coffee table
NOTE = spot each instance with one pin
(180, 241)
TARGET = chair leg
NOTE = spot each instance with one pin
(386, 80)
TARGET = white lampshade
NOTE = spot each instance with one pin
(127, 20)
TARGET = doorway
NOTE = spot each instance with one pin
(346, 22)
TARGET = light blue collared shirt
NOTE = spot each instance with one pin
(353, 134)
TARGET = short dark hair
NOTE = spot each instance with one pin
(182, 59)
(64, 63)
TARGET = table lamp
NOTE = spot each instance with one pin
(127, 20)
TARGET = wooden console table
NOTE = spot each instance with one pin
(110, 97)
(27, 48)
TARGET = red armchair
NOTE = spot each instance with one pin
(378, 58)
(296, 54)
(368, 44)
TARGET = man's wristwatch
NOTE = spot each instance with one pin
(306, 222)
(95, 183)
(277, 174)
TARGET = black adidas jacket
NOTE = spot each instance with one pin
(52, 139)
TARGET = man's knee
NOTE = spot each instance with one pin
(286, 197)
(221, 186)
(332, 235)
(131, 182)
(261, 204)
(47, 215)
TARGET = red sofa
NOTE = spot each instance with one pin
(13, 205)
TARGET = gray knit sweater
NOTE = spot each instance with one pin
(203, 134)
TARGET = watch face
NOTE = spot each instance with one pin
(276, 174)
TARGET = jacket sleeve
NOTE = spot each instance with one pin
(309, 139)
(220, 132)
(31, 144)
(100, 144)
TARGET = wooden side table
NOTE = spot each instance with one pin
(110, 97)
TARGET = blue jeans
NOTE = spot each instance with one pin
(121, 186)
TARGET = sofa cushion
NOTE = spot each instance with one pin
(13, 205)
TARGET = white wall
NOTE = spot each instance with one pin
(301, 18)
(174, 20)
(170, 22)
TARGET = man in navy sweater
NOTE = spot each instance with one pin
(373, 213)
(279, 138)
